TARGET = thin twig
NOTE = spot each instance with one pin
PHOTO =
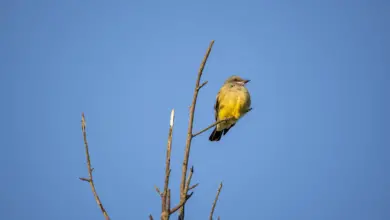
(84, 179)
(215, 124)
(210, 126)
(203, 84)
(183, 193)
(215, 201)
(90, 169)
(193, 186)
(189, 179)
(165, 198)
(150, 217)
(158, 191)
(181, 204)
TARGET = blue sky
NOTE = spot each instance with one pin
(316, 145)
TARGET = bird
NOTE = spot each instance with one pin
(233, 101)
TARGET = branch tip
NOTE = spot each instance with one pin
(158, 191)
(193, 186)
(90, 169)
(172, 117)
(215, 201)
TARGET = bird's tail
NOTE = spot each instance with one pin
(215, 135)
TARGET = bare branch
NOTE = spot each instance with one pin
(215, 124)
(158, 191)
(165, 195)
(193, 187)
(164, 215)
(150, 217)
(90, 169)
(168, 162)
(84, 179)
(215, 201)
(169, 200)
(181, 204)
(203, 84)
(211, 126)
(189, 179)
(183, 193)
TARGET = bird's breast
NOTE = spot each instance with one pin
(234, 103)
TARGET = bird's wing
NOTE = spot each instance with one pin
(216, 107)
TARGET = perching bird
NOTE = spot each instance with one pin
(233, 102)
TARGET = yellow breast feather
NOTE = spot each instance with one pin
(232, 103)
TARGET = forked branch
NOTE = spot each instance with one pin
(198, 86)
(181, 203)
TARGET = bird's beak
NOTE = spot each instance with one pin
(246, 81)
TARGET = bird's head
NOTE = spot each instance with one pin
(237, 80)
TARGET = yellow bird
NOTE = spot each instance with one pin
(233, 102)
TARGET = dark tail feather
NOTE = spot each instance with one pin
(227, 129)
(215, 135)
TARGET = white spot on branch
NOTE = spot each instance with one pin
(172, 117)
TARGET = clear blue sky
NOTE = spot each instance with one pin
(316, 145)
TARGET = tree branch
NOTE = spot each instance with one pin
(169, 200)
(203, 84)
(215, 202)
(211, 126)
(181, 204)
(193, 186)
(90, 169)
(165, 195)
(183, 193)
(189, 179)
(158, 191)
(215, 124)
